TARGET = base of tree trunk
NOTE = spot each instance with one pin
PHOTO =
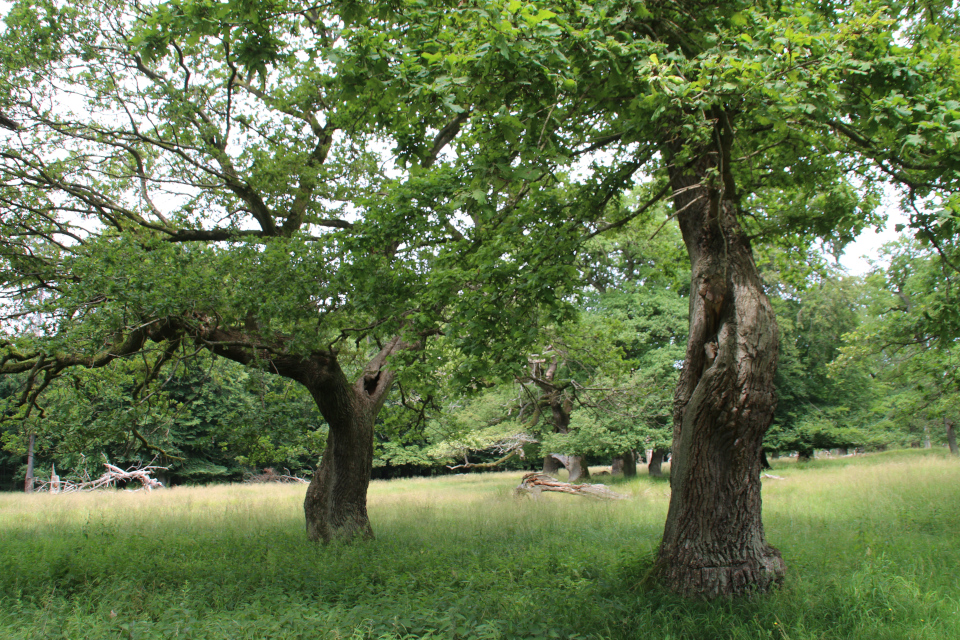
(328, 522)
(335, 506)
(755, 575)
(577, 468)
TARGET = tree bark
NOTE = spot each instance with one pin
(551, 466)
(335, 506)
(625, 464)
(656, 462)
(577, 468)
(713, 541)
(630, 464)
(29, 481)
(616, 466)
(951, 435)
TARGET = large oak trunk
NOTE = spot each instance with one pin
(336, 502)
(713, 541)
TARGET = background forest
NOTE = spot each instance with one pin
(863, 366)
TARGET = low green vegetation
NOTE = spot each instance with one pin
(872, 543)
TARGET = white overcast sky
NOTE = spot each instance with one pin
(857, 256)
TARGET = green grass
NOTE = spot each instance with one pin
(872, 545)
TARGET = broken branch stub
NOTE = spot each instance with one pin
(533, 484)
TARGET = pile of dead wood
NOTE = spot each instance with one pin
(270, 475)
(108, 480)
(533, 484)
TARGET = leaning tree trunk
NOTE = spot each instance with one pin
(951, 435)
(713, 541)
(336, 503)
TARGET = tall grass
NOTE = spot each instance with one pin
(872, 547)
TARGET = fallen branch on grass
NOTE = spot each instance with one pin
(109, 479)
(269, 475)
(534, 484)
(510, 446)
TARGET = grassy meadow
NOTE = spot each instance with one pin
(872, 545)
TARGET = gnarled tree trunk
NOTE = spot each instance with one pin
(713, 541)
(335, 506)
(336, 502)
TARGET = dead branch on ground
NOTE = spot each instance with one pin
(533, 484)
(109, 479)
(269, 475)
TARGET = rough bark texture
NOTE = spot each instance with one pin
(336, 502)
(713, 542)
(654, 468)
(951, 435)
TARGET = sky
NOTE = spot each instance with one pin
(857, 256)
